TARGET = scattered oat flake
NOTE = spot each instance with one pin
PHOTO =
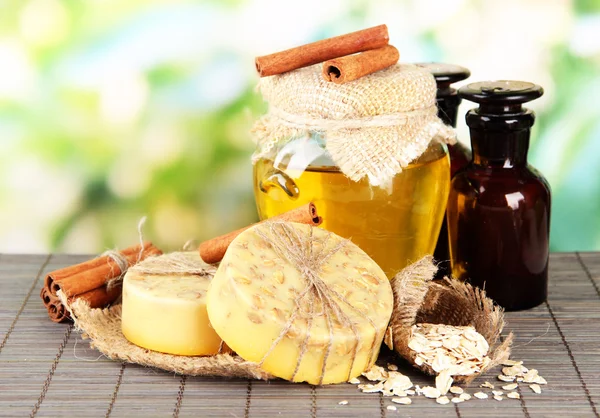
(487, 385)
(511, 371)
(498, 392)
(508, 362)
(506, 378)
(531, 376)
(376, 373)
(513, 395)
(392, 367)
(443, 400)
(372, 388)
(511, 386)
(354, 381)
(536, 388)
(480, 395)
(443, 381)
(497, 397)
(402, 401)
(540, 381)
(410, 392)
(457, 390)
(391, 408)
(457, 400)
(431, 392)
(398, 381)
(465, 396)
(344, 402)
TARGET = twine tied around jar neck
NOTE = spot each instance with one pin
(374, 127)
(322, 125)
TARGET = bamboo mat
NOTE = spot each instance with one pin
(47, 370)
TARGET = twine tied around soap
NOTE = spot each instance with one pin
(121, 261)
(374, 127)
(176, 263)
(419, 299)
(299, 250)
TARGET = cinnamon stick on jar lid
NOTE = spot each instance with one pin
(348, 68)
(213, 250)
(326, 49)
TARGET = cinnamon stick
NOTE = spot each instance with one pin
(100, 297)
(87, 265)
(326, 49)
(56, 310)
(348, 68)
(213, 250)
(88, 281)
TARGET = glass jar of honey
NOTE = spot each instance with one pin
(396, 221)
(395, 225)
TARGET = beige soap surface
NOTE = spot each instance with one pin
(166, 312)
(268, 305)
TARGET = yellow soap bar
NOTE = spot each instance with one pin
(166, 312)
(303, 302)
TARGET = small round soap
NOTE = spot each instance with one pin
(166, 312)
(301, 301)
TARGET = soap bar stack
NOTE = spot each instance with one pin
(302, 302)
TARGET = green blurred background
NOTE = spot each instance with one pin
(115, 109)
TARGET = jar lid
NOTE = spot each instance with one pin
(372, 127)
(445, 74)
(501, 92)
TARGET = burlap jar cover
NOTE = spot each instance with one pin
(374, 126)
(418, 299)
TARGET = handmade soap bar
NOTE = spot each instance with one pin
(164, 306)
(304, 303)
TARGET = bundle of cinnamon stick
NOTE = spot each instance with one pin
(93, 281)
(345, 58)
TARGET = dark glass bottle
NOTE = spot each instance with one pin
(447, 104)
(499, 206)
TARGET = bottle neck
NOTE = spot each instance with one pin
(500, 149)
(447, 103)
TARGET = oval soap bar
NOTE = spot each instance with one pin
(164, 307)
(304, 303)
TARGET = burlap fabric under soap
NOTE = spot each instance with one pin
(103, 328)
(418, 299)
(374, 126)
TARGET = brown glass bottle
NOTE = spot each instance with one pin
(499, 206)
(447, 104)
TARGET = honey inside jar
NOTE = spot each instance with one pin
(396, 224)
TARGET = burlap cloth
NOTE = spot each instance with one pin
(419, 299)
(373, 127)
(103, 328)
